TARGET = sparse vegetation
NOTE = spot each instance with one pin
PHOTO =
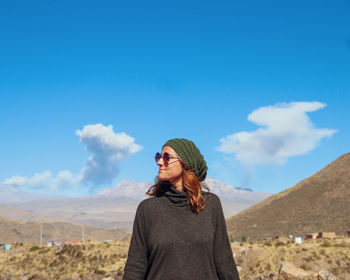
(261, 259)
(97, 260)
(34, 248)
(74, 261)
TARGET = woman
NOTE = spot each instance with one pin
(180, 233)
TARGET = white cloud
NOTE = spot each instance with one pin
(109, 149)
(37, 181)
(15, 181)
(45, 180)
(286, 131)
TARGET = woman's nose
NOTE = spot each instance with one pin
(160, 162)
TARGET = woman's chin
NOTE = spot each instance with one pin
(162, 177)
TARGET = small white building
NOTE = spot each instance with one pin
(298, 240)
(51, 243)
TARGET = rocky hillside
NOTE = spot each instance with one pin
(318, 203)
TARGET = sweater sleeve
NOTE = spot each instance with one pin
(136, 264)
(225, 265)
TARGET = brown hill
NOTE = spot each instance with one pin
(29, 232)
(318, 203)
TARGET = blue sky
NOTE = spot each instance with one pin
(158, 70)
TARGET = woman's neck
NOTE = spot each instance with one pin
(177, 183)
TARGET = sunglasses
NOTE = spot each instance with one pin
(166, 157)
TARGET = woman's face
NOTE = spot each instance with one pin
(170, 170)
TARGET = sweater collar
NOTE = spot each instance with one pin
(176, 197)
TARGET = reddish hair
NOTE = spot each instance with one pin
(191, 184)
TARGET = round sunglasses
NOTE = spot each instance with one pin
(166, 157)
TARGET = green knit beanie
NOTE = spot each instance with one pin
(189, 154)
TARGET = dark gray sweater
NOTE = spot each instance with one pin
(170, 242)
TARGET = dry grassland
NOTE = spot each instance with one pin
(73, 261)
(258, 260)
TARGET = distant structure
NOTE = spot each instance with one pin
(326, 235)
(312, 235)
(5, 247)
(51, 243)
(298, 240)
(83, 233)
(282, 238)
(41, 235)
(72, 241)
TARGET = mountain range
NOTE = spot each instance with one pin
(318, 203)
(110, 208)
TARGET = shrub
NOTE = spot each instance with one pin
(34, 248)
(335, 270)
(244, 238)
(325, 244)
(280, 243)
(268, 244)
(239, 260)
(100, 271)
(308, 259)
(343, 244)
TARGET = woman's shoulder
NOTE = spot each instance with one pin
(148, 203)
(212, 198)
